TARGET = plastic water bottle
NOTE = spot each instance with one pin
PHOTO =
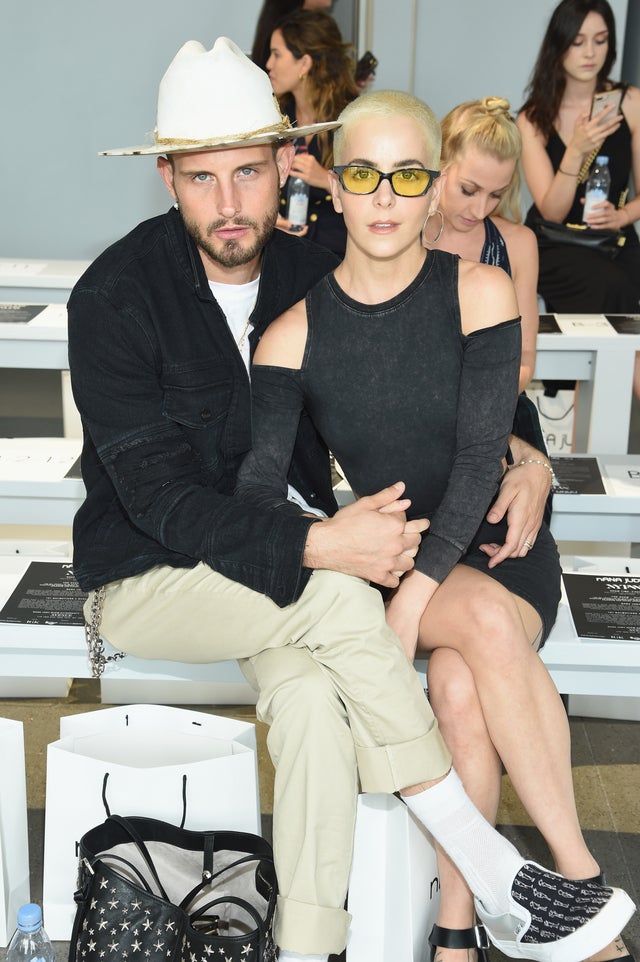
(298, 201)
(298, 196)
(597, 186)
(30, 942)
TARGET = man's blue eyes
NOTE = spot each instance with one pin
(203, 177)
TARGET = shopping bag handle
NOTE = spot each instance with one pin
(184, 798)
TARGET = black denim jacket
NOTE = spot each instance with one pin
(165, 404)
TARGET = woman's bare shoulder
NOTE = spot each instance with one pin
(631, 108)
(517, 237)
(283, 342)
(487, 296)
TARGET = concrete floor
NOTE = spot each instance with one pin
(606, 757)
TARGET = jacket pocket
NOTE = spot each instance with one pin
(195, 399)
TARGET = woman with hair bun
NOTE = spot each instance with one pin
(312, 74)
(480, 204)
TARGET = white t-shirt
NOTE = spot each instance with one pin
(237, 302)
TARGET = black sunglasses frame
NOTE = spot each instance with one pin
(338, 171)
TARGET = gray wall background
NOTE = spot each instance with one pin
(77, 77)
(460, 50)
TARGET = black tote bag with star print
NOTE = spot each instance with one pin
(151, 891)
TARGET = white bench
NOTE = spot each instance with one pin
(613, 516)
(34, 487)
(38, 281)
(39, 660)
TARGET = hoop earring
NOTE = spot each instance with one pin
(435, 240)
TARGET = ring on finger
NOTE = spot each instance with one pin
(528, 545)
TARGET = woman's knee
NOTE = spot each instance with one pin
(452, 689)
(494, 631)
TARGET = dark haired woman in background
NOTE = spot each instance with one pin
(312, 75)
(273, 11)
(560, 143)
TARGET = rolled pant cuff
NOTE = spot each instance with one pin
(390, 768)
(310, 929)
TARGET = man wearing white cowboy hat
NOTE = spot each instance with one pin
(160, 330)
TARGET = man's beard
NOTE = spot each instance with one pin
(231, 253)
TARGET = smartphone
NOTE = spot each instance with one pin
(604, 99)
(365, 67)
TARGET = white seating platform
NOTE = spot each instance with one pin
(43, 281)
(39, 660)
(613, 516)
(592, 666)
(34, 487)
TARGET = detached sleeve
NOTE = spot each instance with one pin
(486, 405)
(276, 405)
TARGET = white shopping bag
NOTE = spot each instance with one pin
(557, 418)
(153, 760)
(394, 890)
(14, 838)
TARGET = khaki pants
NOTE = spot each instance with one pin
(343, 703)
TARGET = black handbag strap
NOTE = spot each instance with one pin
(138, 841)
(107, 857)
(209, 878)
(231, 900)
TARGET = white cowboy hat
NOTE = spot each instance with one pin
(215, 99)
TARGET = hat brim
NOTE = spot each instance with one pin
(220, 143)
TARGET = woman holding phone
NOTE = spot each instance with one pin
(562, 133)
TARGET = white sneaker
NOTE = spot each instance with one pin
(552, 919)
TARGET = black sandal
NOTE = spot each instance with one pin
(475, 938)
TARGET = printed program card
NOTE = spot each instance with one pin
(47, 594)
(604, 606)
(548, 324)
(585, 325)
(577, 475)
(38, 459)
(624, 479)
(625, 323)
(20, 313)
(11, 269)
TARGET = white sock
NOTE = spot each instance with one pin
(285, 956)
(487, 861)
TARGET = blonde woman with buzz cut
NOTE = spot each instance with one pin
(423, 349)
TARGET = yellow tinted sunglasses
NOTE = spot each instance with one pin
(406, 182)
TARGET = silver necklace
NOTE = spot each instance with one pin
(243, 336)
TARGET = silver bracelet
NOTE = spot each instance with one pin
(545, 464)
